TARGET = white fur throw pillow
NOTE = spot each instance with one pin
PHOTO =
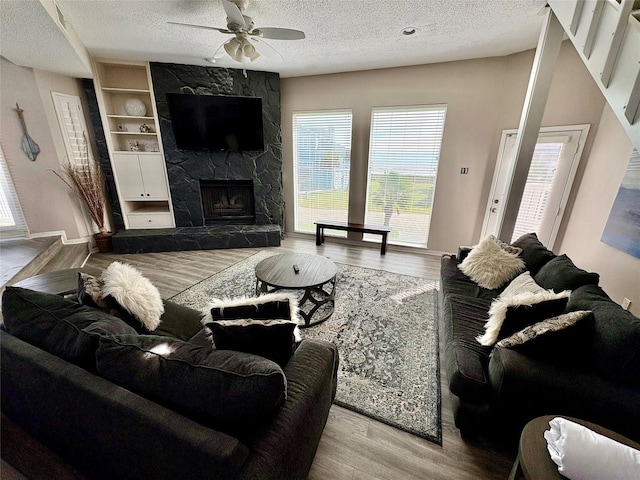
(135, 293)
(491, 264)
(257, 303)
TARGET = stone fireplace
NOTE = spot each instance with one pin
(263, 224)
(227, 202)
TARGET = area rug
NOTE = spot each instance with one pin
(385, 328)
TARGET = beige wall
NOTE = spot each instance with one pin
(45, 201)
(483, 97)
(619, 271)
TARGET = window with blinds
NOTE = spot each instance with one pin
(72, 126)
(12, 224)
(538, 188)
(321, 162)
(404, 151)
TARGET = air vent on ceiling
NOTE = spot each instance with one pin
(61, 20)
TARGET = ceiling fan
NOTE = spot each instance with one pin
(246, 44)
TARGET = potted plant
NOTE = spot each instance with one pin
(85, 179)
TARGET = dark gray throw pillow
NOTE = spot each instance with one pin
(254, 309)
(561, 274)
(534, 253)
(519, 317)
(220, 388)
(58, 325)
(272, 339)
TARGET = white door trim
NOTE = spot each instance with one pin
(504, 170)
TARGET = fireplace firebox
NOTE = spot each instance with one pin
(227, 202)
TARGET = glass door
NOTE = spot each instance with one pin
(553, 168)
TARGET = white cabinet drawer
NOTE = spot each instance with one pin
(152, 220)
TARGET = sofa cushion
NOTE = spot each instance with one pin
(559, 339)
(560, 274)
(534, 253)
(492, 263)
(133, 293)
(220, 388)
(615, 335)
(272, 339)
(58, 325)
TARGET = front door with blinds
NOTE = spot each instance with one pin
(553, 168)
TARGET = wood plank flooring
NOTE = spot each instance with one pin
(353, 447)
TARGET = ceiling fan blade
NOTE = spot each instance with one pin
(205, 27)
(275, 33)
(234, 15)
(263, 48)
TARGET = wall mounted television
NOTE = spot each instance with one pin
(216, 122)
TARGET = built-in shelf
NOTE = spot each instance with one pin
(124, 90)
(130, 117)
(134, 133)
(137, 158)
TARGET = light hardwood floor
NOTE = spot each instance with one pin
(353, 446)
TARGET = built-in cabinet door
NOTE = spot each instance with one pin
(141, 177)
(128, 176)
(153, 176)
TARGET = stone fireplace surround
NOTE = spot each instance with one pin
(186, 169)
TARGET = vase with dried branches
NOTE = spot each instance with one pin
(84, 177)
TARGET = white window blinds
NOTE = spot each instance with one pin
(72, 125)
(538, 188)
(404, 151)
(12, 224)
(321, 160)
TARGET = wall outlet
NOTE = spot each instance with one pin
(464, 170)
(625, 303)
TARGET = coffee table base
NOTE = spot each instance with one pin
(325, 298)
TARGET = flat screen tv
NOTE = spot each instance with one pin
(216, 122)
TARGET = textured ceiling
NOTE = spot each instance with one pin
(341, 35)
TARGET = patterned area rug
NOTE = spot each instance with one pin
(385, 328)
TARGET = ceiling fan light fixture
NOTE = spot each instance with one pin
(409, 31)
(234, 49)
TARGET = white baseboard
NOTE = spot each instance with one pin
(63, 235)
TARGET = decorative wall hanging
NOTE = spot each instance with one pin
(29, 147)
(622, 230)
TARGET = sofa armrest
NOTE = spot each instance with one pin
(527, 387)
(104, 430)
(286, 444)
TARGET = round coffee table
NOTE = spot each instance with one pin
(315, 275)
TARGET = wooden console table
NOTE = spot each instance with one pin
(352, 227)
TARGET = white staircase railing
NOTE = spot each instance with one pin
(606, 34)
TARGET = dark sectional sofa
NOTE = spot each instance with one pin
(590, 371)
(115, 404)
